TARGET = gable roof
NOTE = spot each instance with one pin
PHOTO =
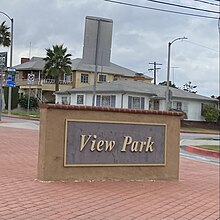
(37, 63)
(137, 87)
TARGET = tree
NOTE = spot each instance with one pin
(5, 39)
(210, 112)
(57, 63)
(164, 83)
(189, 87)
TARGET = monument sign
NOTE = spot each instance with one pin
(98, 143)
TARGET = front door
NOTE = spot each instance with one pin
(156, 104)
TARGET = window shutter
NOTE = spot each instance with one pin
(98, 100)
(129, 101)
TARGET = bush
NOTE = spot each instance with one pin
(23, 101)
(210, 112)
(14, 97)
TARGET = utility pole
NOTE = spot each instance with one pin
(11, 56)
(1, 83)
(173, 68)
(155, 68)
(3, 65)
(167, 93)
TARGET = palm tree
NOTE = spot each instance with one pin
(57, 63)
(5, 39)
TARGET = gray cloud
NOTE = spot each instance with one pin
(140, 36)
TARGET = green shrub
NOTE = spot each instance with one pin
(23, 101)
(14, 97)
(210, 112)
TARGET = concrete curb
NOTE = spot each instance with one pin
(200, 151)
(200, 132)
(21, 117)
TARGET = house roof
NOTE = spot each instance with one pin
(78, 64)
(37, 63)
(137, 87)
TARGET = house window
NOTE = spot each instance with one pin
(80, 99)
(102, 78)
(136, 102)
(177, 105)
(64, 100)
(105, 100)
(202, 109)
(84, 78)
(68, 78)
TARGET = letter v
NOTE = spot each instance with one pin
(83, 141)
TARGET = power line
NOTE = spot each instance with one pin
(155, 68)
(183, 6)
(201, 45)
(210, 3)
(163, 10)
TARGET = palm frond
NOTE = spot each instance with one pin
(5, 39)
(57, 62)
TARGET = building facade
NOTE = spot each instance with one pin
(82, 75)
(137, 94)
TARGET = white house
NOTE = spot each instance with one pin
(136, 95)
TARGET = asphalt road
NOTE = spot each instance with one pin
(190, 136)
(20, 123)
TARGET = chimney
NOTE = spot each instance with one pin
(139, 76)
(24, 60)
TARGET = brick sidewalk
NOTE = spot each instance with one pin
(195, 196)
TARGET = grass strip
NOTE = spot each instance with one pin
(23, 114)
(198, 129)
(210, 147)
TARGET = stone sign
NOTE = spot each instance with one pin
(92, 143)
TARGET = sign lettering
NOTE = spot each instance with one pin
(114, 143)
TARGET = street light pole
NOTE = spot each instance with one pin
(11, 57)
(168, 72)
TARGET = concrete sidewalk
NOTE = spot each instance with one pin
(23, 125)
(194, 196)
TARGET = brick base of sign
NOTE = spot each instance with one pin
(84, 143)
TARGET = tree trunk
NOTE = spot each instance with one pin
(57, 83)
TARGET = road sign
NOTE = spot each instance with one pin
(30, 78)
(9, 78)
(3, 59)
(10, 83)
(11, 70)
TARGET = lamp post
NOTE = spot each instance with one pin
(168, 71)
(11, 54)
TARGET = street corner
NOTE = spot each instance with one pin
(201, 151)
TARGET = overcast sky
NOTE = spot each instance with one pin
(140, 36)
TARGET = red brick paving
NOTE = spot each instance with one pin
(194, 196)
